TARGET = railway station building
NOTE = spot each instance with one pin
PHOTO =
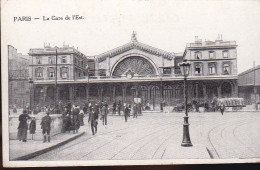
(134, 70)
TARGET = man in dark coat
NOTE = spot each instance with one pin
(114, 108)
(127, 111)
(104, 112)
(139, 108)
(46, 127)
(119, 107)
(222, 108)
(85, 108)
(23, 126)
(135, 110)
(93, 119)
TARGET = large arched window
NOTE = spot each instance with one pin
(38, 96)
(137, 65)
(179, 92)
(143, 94)
(226, 89)
(167, 92)
(81, 92)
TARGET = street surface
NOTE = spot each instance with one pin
(233, 135)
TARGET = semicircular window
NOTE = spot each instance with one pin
(135, 65)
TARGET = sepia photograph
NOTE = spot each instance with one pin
(132, 82)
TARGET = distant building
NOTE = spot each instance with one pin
(213, 68)
(136, 70)
(71, 65)
(18, 66)
(249, 85)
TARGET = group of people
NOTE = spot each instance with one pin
(23, 126)
(73, 117)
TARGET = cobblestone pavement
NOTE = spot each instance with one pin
(233, 135)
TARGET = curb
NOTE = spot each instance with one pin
(40, 152)
(124, 115)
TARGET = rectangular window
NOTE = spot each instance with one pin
(212, 70)
(211, 55)
(226, 69)
(225, 54)
(64, 59)
(38, 73)
(166, 70)
(197, 55)
(64, 72)
(197, 69)
(51, 72)
(38, 60)
(51, 60)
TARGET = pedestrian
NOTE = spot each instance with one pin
(32, 127)
(81, 118)
(14, 109)
(135, 110)
(114, 108)
(127, 111)
(103, 115)
(222, 108)
(23, 126)
(119, 107)
(106, 112)
(85, 108)
(139, 108)
(93, 119)
(66, 123)
(46, 127)
(75, 119)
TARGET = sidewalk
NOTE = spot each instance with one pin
(27, 150)
(174, 151)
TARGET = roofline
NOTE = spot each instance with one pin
(249, 70)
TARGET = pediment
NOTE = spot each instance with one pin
(134, 45)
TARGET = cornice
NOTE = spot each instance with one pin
(134, 45)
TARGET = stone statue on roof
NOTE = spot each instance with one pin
(134, 36)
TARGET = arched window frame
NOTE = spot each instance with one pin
(197, 55)
(212, 68)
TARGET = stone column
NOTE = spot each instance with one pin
(44, 95)
(235, 89)
(71, 93)
(114, 93)
(124, 92)
(87, 91)
(219, 90)
(197, 90)
(205, 92)
(101, 92)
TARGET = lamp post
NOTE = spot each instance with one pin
(30, 82)
(185, 68)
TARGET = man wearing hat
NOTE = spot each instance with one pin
(46, 127)
(93, 119)
(23, 126)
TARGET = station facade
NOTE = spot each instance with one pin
(134, 70)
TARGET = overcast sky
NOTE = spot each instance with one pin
(167, 25)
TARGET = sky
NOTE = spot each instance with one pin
(107, 24)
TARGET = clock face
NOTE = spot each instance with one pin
(137, 65)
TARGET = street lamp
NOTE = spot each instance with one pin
(185, 69)
(30, 87)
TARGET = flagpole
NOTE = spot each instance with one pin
(56, 75)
